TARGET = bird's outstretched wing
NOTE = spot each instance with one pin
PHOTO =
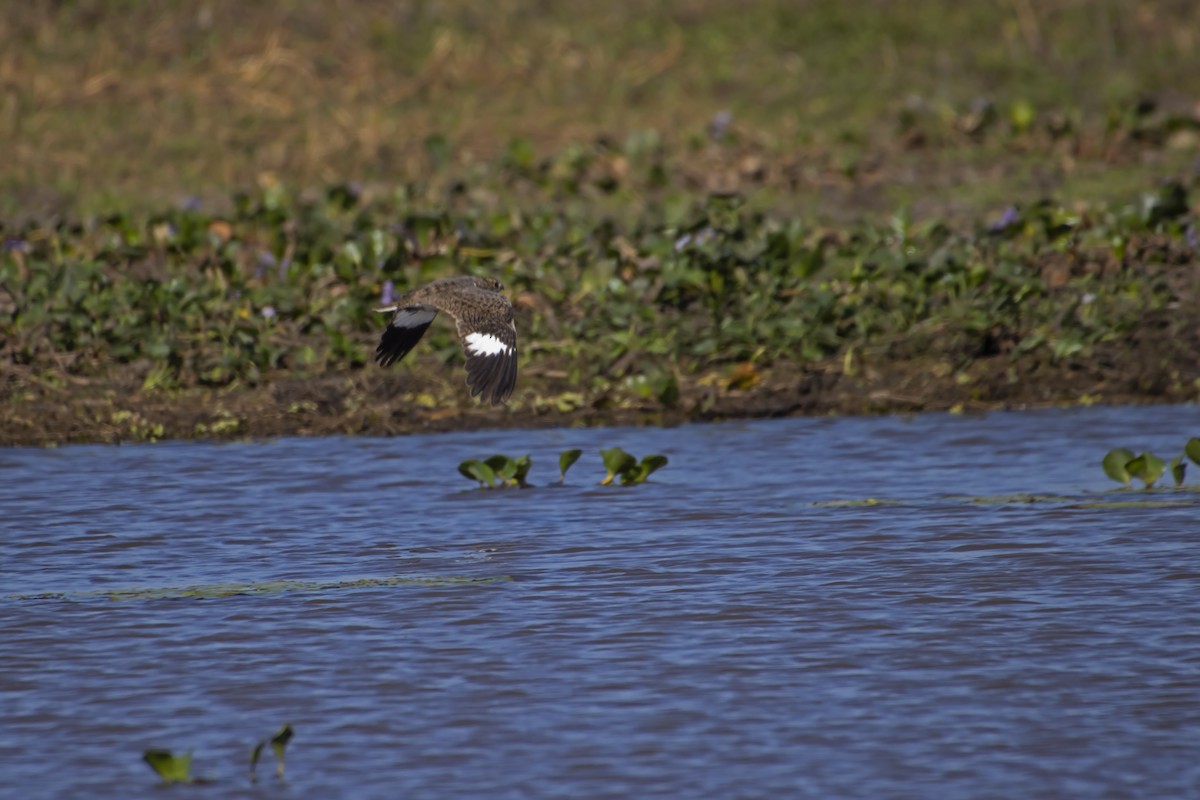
(403, 332)
(490, 343)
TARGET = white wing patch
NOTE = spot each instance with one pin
(414, 316)
(484, 344)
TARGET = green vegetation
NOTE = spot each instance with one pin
(565, 460)
(626, 467)
(279, 743)
(177, 768)
(499, 470)
(136, 105)
(701, 209)
(1122, 465)
(502, 471)
(170, 767)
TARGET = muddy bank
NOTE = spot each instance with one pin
(377, 403)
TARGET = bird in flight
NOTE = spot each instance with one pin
(484, 318)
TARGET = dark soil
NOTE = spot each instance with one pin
(1150, 368)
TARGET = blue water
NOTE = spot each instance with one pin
(730, 629)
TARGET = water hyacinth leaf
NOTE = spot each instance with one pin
(1147, 468)
(565, 461)
(279, 743)
(1192, 449)
(1114, 464)
(170, 767)
(504, 467)
(651, 464)
(521, 470)
(640, 472)
(1178, 469)
(476, 470)
(616, 461)
(255, 755)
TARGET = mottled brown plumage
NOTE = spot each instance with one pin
(484, 318)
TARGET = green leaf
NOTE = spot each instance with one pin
(565, 461)
(504, 467)
(476, 470)
(1178, 469)
(639, 473)
(651, 464)
(279, 743)
(1192, 449)
(1147, 468)
(170, 767)
(255, 754)
(521, 470)
(616, 461)
(1114, 464)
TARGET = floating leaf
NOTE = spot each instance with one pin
(521, 469)
(1178, 469)
(279, 743)
(1115, 465)
(1147, 468)
(616, 461)
(476, 470)
(565, 461)
(1192, 449)
(651, 464)
(170, 767)
(504, 467)
(639, 474)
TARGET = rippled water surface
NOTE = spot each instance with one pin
(730, 629)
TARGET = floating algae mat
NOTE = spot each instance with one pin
(213, 591)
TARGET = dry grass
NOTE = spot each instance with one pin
(118, 105)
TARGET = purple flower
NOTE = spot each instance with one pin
(265, 259)
(15, 246)
(1192, 236)
(388, 289)
(718, 126)
(268, 312)
(1009, 218)
(190, 203)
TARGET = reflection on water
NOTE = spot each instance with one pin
(731, 629)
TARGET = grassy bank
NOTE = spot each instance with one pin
(192, 324)
(134, 106)
(700, 210)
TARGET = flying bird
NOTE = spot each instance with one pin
(484, 318)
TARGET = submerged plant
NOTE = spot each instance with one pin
(1122, 465)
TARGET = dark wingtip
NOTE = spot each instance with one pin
(396, 342)
(492, 378)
